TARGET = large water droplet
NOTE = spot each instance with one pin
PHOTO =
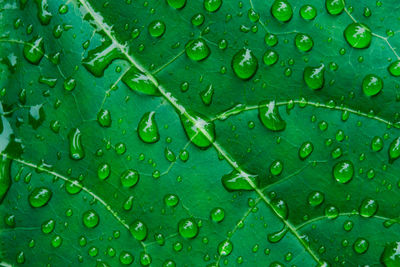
(178, 4)
(372, 85)
(197, 49)
(139, 82)
(314, 77)
(199, 129)
(212, 5)
(394, 68)
(34, 50)
(358, 35)
(368, 207)
(129, 178)
(76, 150)
(188, 228)
(390, 256)
(269, 115)
(39, 197)
(156, 28)
(90, 219)
(280, 207)
(244, 64)
(5, 176)
(98, 59)
(343, 171)
(303, 42)
(139, 230)
(104, 118)
(282, 10)
(225, 248)
(334, 7)
(43, 12)
(277, 236)
(361, 245)
(148, 129)
(239, 181)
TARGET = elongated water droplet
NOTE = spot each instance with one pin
(139, 82)
(5, 176)
(377, 143)
(34, 50)
(197, 49)
(394, 150)
(269, 115)
(207, 94)
(282, 10)
(76, 150)
(314, 77)
(43, 12)
(237, 181)
(390, 256)
(98, 59)
(39, 197)
(199, 129)
(48, 226)
(244, 64)
(104, 118)
(343, 171)
(188, 228)
(139, 230)
(148, 129)
(277, 236)
(103, 171)
(358, 35)
(73, 187)
(280, 207)
(225, 248)
(305, 150)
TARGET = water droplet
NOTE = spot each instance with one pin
(372, 85)
(139, 82)
(129, 178)
(145, 259)
(343, 171)
(178, 4)
(377, 143)
(90, 219)
(198, 19)
(148, 129)
(39, 197)
(237, 181)
(368, 207)
(76, 150)
(276, 167)
(358, 35)
(139, 230)
(212, 5)
(277, 236)
(199, 129)
(73, 187)
(269, 115)
(103, 171)
(225, 248)
(57, 241)
(99, 58)
(308, 12)
(334, 7)
(305, 150)
(244, 64)
(394, 150)
(48, 226)
(197, 49)
(34, 50)
(315, 198)
(282, 10)
(280, 207)
(217, 214)
(69, 84)
(361, 245)
(156, 28)
(331, 212)
(187, 228)
(314, 77)
(207, 94)
(5, 176)
(125, 257)
(270, 57)
(390, 256)
(43, 12)
(394, 68)
(303, 42)
(171, 200)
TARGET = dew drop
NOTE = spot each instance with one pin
(308, 12)
(377, 143)
(178, 4)
(171, 200)
(368, 207)
(314, 77)
(305, 150)
(126, 258)
(39, 197)
(199, 129)
(217, 214)
(156, 28)
(394, 150)
(277, 236)
(394, 68)
(334, 7)
(390, 256)
(188, 228)
(99, 58)
(43, 12)
(280, 207)
(103, 171)
(282, 10)
(148, 129)
(268, 113)
(244, 64)
(315, 198)
(104, 118)
(225, 248)
(212, 5)
(139, 82)
(237, 181)
(372, 85)
(138, 230)
(90, 219)
(303, 42)
(361, 245)
(270, 57)
(343, 171)
(48, 226)
(358, 35)
(129, 178)
(197, 49)
(34, 50)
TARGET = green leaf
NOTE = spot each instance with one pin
(199, 133)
